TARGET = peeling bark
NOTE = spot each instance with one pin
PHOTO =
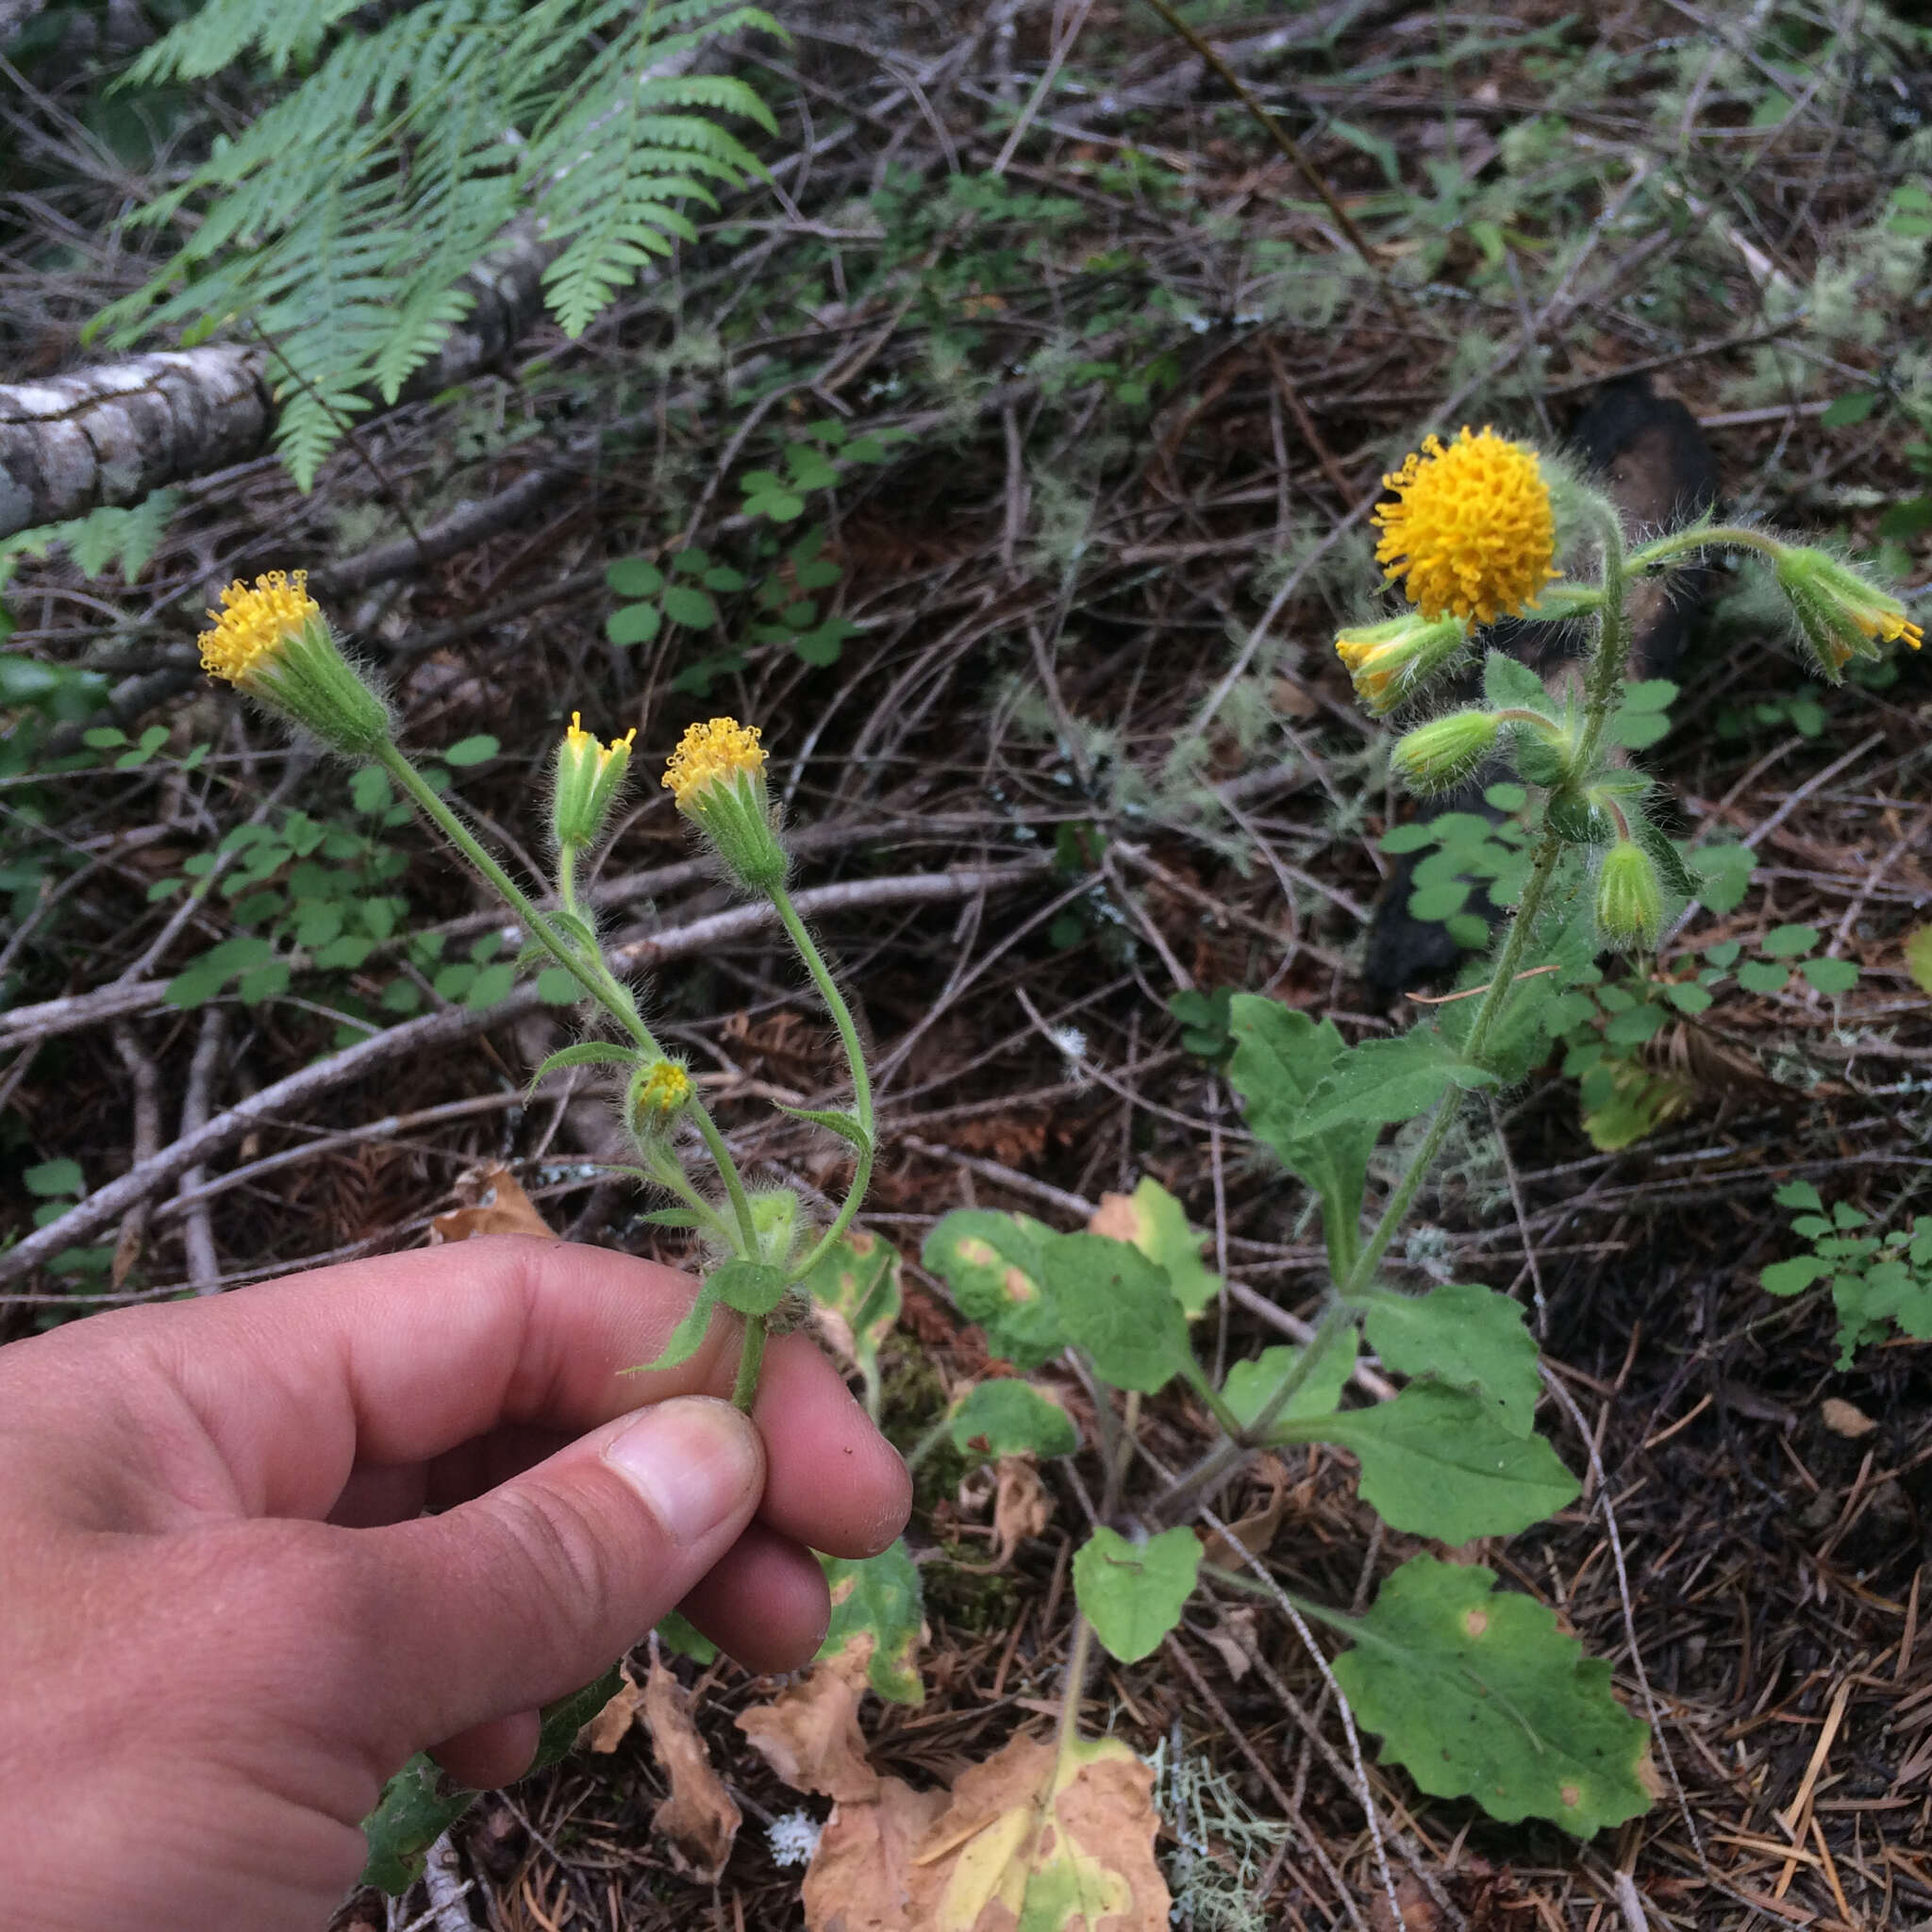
(111, 434)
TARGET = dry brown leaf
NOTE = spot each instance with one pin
(496, 1205)
(1117, 1218)
(698, 1821)
(1235, 1639)
(1069, 1844)
(1254, 1531)
(1845, 1419)
(1020, 1506)
(808, 1734)
(862, 1874)
(1419, 1911)
(608, 1729)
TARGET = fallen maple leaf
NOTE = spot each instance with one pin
(810, 1734)
(698, 1821)
(494, 1203)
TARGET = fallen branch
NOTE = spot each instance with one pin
(298, 1089)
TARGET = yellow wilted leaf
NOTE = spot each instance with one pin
(1917, 951)
(1065, 1844)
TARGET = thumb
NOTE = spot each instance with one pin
(506, 1602)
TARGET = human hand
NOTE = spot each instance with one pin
(224, 1622)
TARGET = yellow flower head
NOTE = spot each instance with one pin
(717, 777)
(274, 643)
(257, 625)
(715, 753)
(581, 743)
(1471, 530)
(659, 1093)
(1393, 660)
(590, 776)
(1841, 614)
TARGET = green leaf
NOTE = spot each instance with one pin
(1918, 957)
(688, 1336)
(52, 1178)
(634, 576)
(879, 1595)
(369, 790)
(1848, 410)
(1437, 1462)
(492, 984)
(676, 1633)
(1509, 683)
(1650, 694)
(1280, 1057)
(472, 751)
(633, 624)
(1116, 1306)
(992, 1264)
(1763, 975)
(1794, 1276)
(1133, 1593)
(1011, 1418)
(834, 1122)
(1480, 1693)
(1723, 876)
(564, 1719)
(751, 1288)
(1467, 1336)
(556, 986)
(1832, 977)
(1789, 941)
(1157, 1223)
(685, 604)
(1250, 1384)
(586, 1053)
(417, 1806)
(1384, 1080)
(1799, 1194)
(856, 1285)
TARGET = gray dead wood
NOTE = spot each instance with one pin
(110, 435)
(288, 1098)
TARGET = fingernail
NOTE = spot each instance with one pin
(692, 1460)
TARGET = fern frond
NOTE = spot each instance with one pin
(341, 223)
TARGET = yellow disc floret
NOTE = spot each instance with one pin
(258, 624)
(1471, 530)
(718, 752)
(659, 1090)
(581, 743)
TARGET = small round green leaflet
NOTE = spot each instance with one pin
(1010, 1418)
(1132, 1593)
(1479, 1694)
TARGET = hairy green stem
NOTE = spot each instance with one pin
(590, 972)
(1731, 536)
(855, 1059)
(751, 1356)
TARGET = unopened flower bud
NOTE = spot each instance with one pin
(590, 776)
(1629, 898)
(1392, 661)
(1438, 754)
(1841, 614)
(717, 778)
(660, 1091)
(274, 644)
